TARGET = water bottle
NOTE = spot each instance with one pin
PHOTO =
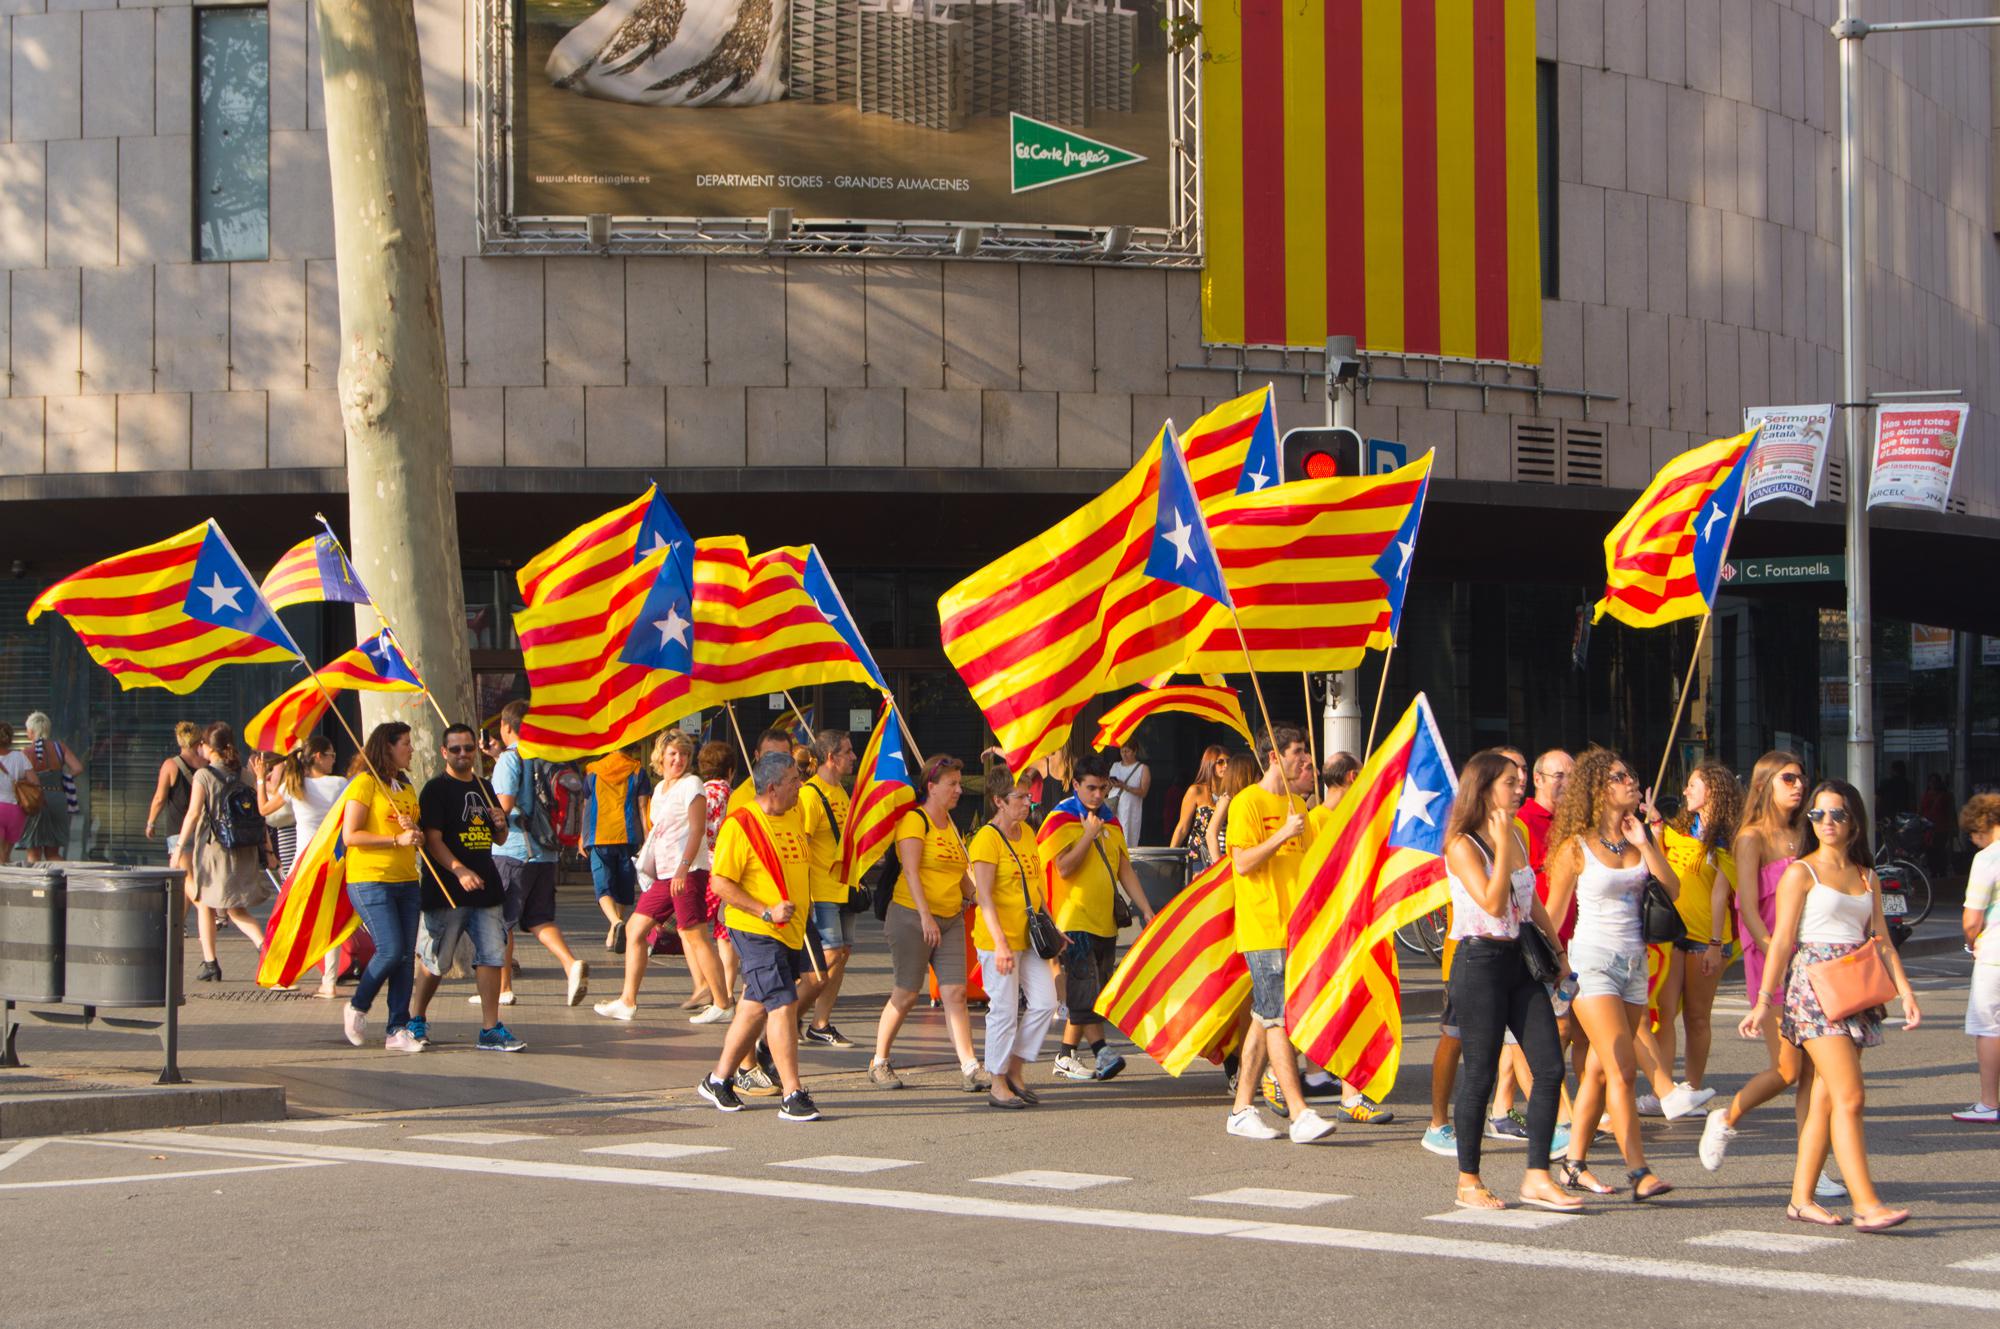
(1562, 995)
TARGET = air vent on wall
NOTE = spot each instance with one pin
(1559, 453)
(1583, 455)
(1536, 458)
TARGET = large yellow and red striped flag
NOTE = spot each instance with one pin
(883, 792)
(1181, 991)
(1378, 865)
(1663, 560)
(1370, 168)
(1221, 705)
(170, 614)
(376, 665)
(313, 914)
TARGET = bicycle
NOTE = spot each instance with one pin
(1906, 887)
(1424, 935)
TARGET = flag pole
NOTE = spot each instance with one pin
(1312, 745)
(1687, 682)
(1244, 641)
(741, 746)
(751, 774)
(1381, 689)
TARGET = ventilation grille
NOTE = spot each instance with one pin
(1559, 453)
(1537, 456)
(1836, 479)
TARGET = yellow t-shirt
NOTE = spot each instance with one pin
(1014, 876)
(742, 796)
(824, 796)
(736, 860)
(1697, 874)
(941, 868)
(1264, 898)
(1083, 901)
(390, 862)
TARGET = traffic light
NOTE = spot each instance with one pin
(1321, 453)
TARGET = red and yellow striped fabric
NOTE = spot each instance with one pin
(128, 612)
(1650, 556)
(1369, 168)
(300, 576)
(599, 549)
(1183, 988)
(295, 712)
(313, 914)
(882, 794)
(1026, 632)
(1221, 705)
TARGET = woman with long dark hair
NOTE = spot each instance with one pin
(1198, 808)
(380, 825)
(1830, 907)
(1492, 895)
(1600, 854)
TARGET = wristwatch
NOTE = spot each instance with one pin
(767, 915)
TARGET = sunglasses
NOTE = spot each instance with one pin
(457, 748)
(1791, 777)
(1619, 777)
(1831, 816)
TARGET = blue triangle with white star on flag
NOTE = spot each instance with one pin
(224, 594)
(1713, 524)
(1263, 463)
(1393, 566)
(1423, 804)
(1182, 552)
(662, 637)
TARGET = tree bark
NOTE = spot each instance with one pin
(394, 402)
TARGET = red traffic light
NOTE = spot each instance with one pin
(1320, 465)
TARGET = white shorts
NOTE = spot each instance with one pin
(1982, 1005)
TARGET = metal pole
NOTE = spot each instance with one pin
(1849, 33)
(1342, 720)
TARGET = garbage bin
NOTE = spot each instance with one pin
(31, 932)
(115, 935)
(1162, 873)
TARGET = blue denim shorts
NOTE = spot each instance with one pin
(770, 969)
(614, 872)
(1267, 986)
(443, 927)
(1607, 973)
(834, 925)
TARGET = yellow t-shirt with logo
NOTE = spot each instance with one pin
(1264, 898)
(940, 870)
(384, 804)
(738, 862)
(816, 801)
(1083, 900)
(1015, 875)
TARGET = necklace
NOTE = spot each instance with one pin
(1616, 848)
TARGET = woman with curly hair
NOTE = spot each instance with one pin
(1600, 854)
(1690, 971)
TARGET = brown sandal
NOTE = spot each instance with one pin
(1800, 1213)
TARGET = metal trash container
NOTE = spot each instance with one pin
(115, 935)
(1162, 873)
(31, 932)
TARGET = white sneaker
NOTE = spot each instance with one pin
(402, 1041)
(615, 1009)
(1716, 1134)
(713, 1015)
(352, 1023)
(1977, 1112)
(1679, 1101)
(1250, 1125)
(579, 981)
(1649, 1106)
(1826, 1188)
(1701, 1095)
(506, 999)
(1069, 1068)
(1309, 1126)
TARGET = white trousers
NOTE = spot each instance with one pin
(1010, 1032)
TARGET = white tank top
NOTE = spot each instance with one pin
(1607, 904)
(1832, 917)
(1469, 920)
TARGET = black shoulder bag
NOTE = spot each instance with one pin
(859, 898)
(1043, 934)
(1121, 908)
(1538, 953)
(1660, 921)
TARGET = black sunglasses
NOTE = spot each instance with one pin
(1832, 816)
(456, 748)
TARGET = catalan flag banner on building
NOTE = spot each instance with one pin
(376, 665)
(1221, 705)
(1182, 989)
(1027, 631)
(314, 569)
(1378, 865)
(1369, 168)
(1663, 560)
(313, 914)
(883, 792)
(170, 614)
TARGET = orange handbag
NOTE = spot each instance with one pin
(1851, 983)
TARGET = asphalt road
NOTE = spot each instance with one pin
(1122, 1200)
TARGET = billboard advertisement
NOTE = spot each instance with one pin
(859, 116)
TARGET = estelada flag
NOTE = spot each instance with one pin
(1378, 865)
(1663, 560)
(376, 665)
(170, 614)
(883, 792)
(314, 569)
(1221, 705)
(1181, 991)
(313, 914)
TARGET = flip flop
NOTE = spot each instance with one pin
(1797, 1213)
(1462, 1203)
(1566, 1206)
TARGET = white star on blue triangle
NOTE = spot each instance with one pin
(221, 593)
(826, 597)
(662, 528)
(1393, 566)
(1182, 552)
(1263, 463)
(1425, 799)
(1712, 525)
(389, 660)
(662, 637)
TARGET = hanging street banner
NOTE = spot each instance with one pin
(1790, 458)
(1916, 454)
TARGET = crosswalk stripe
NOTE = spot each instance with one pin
(1985, 1264)
(1526, 1220)
(846, 1163)
(651, 1149)
(1266, 1198)
(1770, 1243)
(475, 1137)
(1050, 1181)
(317, 1127)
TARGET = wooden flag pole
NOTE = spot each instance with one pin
(1312, 745)
(741, 746)
(1687, 683)
(1255, 686)
(1381, 689)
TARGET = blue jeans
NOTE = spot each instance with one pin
(615, 872)
(389, 910)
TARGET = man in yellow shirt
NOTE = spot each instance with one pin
(1084, 847)
(771, 740)
(1268, 837)
(823, 803)
(762, 873)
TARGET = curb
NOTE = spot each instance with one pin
(23, 1116)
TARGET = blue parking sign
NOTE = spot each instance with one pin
(1386, 455)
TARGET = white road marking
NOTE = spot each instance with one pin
(157, 1176)
(1771, 1243)
(1985, 1264)
(647, 1149)
(321, 1127)
(1050, 1181)
(1267, 1198)
(476, 1137)
(19, 1152)
(847, 1163)
(1396, 1245)
(1526, 1220)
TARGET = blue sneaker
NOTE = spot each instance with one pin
(1513, 1126)
(1559, 1142)
(419, 1030)
(499, 1039)
(1442, 1140)
(1109, 1063)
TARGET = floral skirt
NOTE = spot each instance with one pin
(1804, 1019)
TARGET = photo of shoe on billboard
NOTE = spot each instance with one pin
(968, 112)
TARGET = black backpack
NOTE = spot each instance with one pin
(236, 821)
(537, 804)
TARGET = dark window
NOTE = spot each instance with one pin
(232, 145)
(1546, 146)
